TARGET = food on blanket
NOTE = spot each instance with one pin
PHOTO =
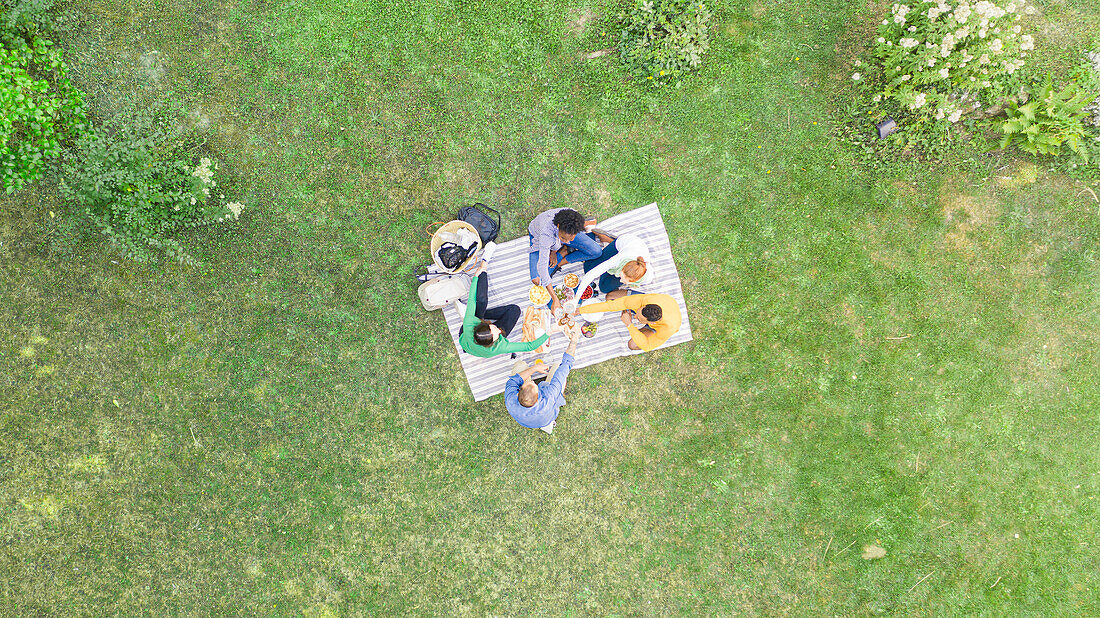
(563, 293)
(589, 329)
(565, 321)
(572, 280)
(587, 293)
(538, 295)
(534, 326)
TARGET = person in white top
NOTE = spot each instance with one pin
(623, 265)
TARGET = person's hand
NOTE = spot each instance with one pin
(555, 304)
(553, 259)
(481, 267)
(542, 368)
(573, 333)
(625, 316)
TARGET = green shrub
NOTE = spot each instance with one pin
(24, 19)
(938, 66)
(661, 40)
(1048, 120)
(944, 60)
(139, 181)
(39, 109)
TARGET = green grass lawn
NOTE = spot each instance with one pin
(903, 357)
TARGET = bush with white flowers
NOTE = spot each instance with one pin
(137, 181)
(942, 58)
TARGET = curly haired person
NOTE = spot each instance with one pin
(550, 233)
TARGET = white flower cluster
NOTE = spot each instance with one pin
(899, 11)
(235, 208)
(933, 48)
(205, 173)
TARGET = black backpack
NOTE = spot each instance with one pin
(486, 227)
(451, 256)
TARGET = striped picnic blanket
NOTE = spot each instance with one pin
(509, 282)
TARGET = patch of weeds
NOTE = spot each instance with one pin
(137, 181)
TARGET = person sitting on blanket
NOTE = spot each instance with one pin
(658, 314)
(484, 331)
(549, 233)
(536, 406)
(624, 264)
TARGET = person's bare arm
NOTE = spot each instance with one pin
(526, 374)
(574, 335)
(555, 304)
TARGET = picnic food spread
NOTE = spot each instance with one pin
(534, 326)
(578, 315)
(538, 295)
(563, 293)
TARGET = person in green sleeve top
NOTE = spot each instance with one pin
(484, 331)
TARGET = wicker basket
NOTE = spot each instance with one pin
(437, 242)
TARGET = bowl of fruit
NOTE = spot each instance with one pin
(589, 329)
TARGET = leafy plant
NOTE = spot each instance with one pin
(22, 20)
(1048, 120)
(39, 109)
(661, 40)
(136, 180)
(938, 62)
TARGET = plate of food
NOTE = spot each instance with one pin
(538, 295)
(572, 280)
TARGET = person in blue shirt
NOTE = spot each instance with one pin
(536, 406)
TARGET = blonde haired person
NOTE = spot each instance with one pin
(624, 264)
(536, 406)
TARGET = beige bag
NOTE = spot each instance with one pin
(442, 291)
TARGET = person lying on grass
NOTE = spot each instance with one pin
(537, 405)
(549, 233)
(623, 264)
(484, 331)
(658, 316)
